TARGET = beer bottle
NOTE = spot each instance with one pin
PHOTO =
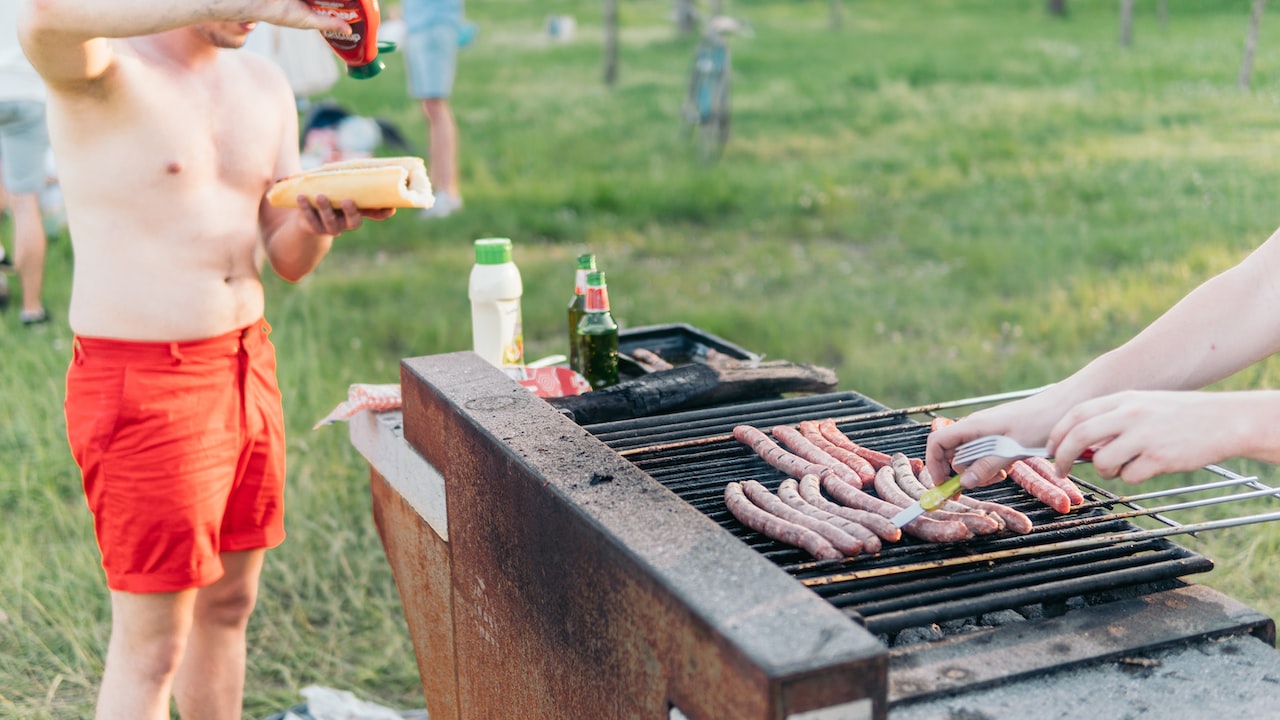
(586, 264)
(598, 334)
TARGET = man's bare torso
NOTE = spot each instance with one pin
(164, 186)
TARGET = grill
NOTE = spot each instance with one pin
(909, 584)
(593, 572)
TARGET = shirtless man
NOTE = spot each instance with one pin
(166, 142)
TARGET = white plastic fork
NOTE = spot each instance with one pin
(997, 445)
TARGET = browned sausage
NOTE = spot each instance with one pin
(772, 504)
(875, 457)
(1039, 486)
(978, 523)
(1050, 473)
(789, 493)
(1014, 521)
(800, 445)
(775, 528)
(811, 491)
(777, 456)
(812, 432)
(923, 527)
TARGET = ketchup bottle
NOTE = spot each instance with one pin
(360, 49)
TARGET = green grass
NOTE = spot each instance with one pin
(942, 199)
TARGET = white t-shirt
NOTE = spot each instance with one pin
(18, 80)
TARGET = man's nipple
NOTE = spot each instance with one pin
(173, 168)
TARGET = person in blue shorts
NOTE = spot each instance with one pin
(434, 30)
(24, 146)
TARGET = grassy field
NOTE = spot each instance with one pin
(940, 199)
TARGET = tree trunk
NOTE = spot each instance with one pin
(686, 17)
(1057, 8)
(1162, 10)
(1126, 23)
(610, 42)
(837, 14)
(1251, 43)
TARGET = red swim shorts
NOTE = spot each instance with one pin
(181, 449)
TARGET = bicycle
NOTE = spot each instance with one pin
(706, 110)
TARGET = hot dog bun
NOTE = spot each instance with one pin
(394, 182)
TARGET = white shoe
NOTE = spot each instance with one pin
(445, 205)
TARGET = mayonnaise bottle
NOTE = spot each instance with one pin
(495, 290)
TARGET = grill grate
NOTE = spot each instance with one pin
(1094, 552)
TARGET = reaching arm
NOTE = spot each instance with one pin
(66, 39)
(1118, 404)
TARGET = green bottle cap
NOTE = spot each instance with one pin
(493, 251)
(364, 72)
(596, 278)
(586, 261)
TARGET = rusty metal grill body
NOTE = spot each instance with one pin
(588, 572)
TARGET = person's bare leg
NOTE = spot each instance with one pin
(442, 137)
(147, 640)
(210, 680)
(30, 247)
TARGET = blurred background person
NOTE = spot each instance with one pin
(24, 147)
(434, 31)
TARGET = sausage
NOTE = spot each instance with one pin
(789, 493)
(876, 458)
(887, 487)
(1014, 520)
(811, 492)
(923, 527)
(774, 454)
(797, 443)
(832, 433)
(650, 360)
(811, 431)
(1039, 486)
(775, 528)
(978, 522)
(1050, 473)
(772, 504)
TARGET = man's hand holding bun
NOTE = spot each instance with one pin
(325, 218)
(369, 183)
